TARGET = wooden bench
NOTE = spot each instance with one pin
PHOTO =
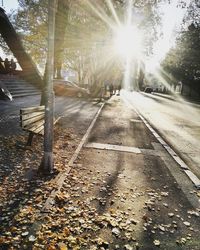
(32, 121)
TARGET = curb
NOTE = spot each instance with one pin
(59, 180)
(195, 180)
(173, 154)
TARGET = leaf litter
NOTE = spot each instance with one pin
(74, 221)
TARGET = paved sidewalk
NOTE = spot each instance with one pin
(135, 194)
(119, 194)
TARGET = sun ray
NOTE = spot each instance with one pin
(164, 78)
(126, 39)
(129, 12)
(101, 14)
(111, 7)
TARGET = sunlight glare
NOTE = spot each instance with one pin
(128, 41)
(152, 65)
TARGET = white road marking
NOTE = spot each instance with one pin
(113, 147)
(127, 149)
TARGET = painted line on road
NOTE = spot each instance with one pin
(59, 180)
(173, 154)
(121, 148)
(113, 147)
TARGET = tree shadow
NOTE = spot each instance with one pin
(154, 98)
(158, 223)
(107, 189)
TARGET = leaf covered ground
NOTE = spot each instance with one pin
(100, 205)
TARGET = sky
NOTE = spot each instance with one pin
(172, 18)
(171, 21)
(8, 5)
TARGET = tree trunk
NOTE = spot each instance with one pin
(47, 163)
(30, 71)
(60, 27)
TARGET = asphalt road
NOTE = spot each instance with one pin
(72, 110)
(176, 120)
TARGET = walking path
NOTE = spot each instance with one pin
(123, 191)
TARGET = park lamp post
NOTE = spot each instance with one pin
(47, 163)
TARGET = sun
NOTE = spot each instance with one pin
(128, 41)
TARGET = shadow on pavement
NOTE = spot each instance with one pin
(107, 189)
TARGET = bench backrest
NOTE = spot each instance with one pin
(32, 119)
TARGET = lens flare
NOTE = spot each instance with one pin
(128, 42)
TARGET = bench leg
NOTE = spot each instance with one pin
(30, 139)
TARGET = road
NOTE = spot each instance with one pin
(176, 120)
(72, 109)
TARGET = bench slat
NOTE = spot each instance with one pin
(31, 109)
(40, 130)
(30, 116)
(34, 126)
(32, 120)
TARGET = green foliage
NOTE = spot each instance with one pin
(193, 13)
(31, 24)
(183, 61)
(89, 28)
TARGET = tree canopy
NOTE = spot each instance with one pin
(89, 27)
(183, 61)
(84, 31)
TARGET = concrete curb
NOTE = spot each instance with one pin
(195, 180)
(59, 180)
(173, 154)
